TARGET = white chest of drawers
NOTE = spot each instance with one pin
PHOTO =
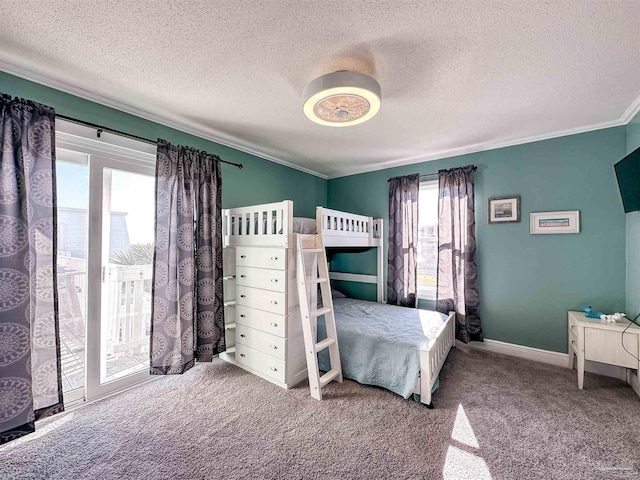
(598, 341)
(267, 330)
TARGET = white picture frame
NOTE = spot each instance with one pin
(561, 222)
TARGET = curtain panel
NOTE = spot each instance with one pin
(457, 265)
(30, 369)
(187, 311)
(403, 241)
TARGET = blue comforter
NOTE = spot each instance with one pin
(380, 344)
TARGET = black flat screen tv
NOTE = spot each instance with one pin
(628, 173)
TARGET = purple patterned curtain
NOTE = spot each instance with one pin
(30, 373)
(188, 314)
(403, 241)
(457, 266)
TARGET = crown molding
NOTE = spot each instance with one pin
(479, 147)
(237, 144)
(207, 134)
(631, 112)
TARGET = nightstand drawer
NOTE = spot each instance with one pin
(605, 346)
(573, 338)
(574, 346)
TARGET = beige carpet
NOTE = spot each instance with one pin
(495, 417)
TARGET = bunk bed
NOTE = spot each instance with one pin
(264, 333)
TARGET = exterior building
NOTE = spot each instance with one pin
(72, 232)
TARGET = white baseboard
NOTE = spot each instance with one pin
(545, 356)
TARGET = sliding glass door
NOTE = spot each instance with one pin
(122, 220)
(72, 169)
(105, 253)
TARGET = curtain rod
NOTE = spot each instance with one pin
(101, 128)
(423, 175)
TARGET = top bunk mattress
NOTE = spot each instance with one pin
(380, 344)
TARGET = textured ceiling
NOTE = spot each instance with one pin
(456, 76)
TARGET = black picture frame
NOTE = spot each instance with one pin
(512, 206)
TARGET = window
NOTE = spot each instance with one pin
(428, 240)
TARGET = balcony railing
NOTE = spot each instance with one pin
(126, 318)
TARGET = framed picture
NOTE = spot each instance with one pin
(555, 222)
(504, 209)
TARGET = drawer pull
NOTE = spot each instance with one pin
(274, 369)
(274, 258)
(243, 296)
(273, 302)
(274, 324)
(274, 280)
(573, 342)
(243, 256)
(242, 354)
(242, 335)
(243, 276)
(242, 315)
(274, 347)
(573, 327)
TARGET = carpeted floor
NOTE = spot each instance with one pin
(495, 417)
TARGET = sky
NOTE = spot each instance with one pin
(131, 193)
(428, 206)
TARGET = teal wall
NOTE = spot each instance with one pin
(260, 181)
(633, 233)
(527, 282)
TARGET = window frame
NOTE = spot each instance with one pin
(427, 292)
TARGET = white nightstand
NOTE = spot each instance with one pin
(599, 341)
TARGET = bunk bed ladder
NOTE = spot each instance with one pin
(310, 247)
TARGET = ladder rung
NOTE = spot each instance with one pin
(319, 312)
(312, 250)
(327, 342)
(327, 377)
(318, 280)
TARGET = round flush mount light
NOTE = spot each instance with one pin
(342, 99)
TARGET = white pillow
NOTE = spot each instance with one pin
(304, 225)
(337, 293)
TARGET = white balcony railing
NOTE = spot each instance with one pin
(126, 305)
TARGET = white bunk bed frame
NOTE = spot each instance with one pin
(271, 225)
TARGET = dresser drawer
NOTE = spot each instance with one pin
(275, 258)
(266, 279)
(260, 320)
(274, 302)
(260, 362)
(261, 341)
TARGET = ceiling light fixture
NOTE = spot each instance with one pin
(342, 99)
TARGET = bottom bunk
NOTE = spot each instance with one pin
(396, 348)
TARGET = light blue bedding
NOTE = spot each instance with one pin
(380, 344)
